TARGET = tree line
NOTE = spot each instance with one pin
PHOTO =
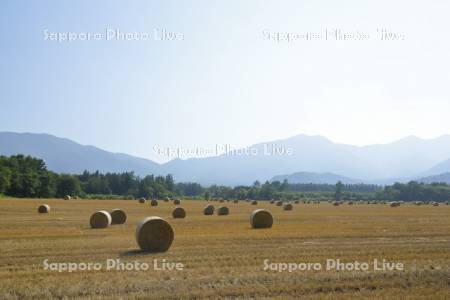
(415, 191)
(25, 176)
(28, 177)
(323, 187)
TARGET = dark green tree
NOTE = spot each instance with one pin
(47, 186)
(68, 185)
(170, 183)
(5, 179)
(338, 191)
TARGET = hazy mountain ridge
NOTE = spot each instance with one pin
(65, 156)
(445, 177)
(440, 168)
(400, 160)
(316, 178)
(410, 157)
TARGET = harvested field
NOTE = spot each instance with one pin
(223, 256)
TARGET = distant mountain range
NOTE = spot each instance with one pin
(441, 168)
(315, 157)
(445, 177)
(317, 178)
(65, 156)
(330, 178)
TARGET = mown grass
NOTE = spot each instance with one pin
(222, 255)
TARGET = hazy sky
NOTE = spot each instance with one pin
(223, 81)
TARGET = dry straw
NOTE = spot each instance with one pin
(261, 218)
(179, 213)
(288, 206)
(154, 234)
(208, 210)
(118, 216)
(100, 219)
(44, 209)
(223, 211)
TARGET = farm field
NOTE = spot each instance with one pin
(222, 256)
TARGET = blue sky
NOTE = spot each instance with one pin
(224, 82)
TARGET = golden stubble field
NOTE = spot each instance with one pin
(222, 256)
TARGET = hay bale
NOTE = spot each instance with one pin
(223, 211)
(435, 204)
(350, 203)
(100, 219)
(177, 201)
(179, 213)
(235, 201)
(167, 199)
(208, 210)
(118, 216)
(336, 203)
(44, 209)
(142, 200)
(154, 234)
(272, 201)
(288, 206)
(261, 218)
(221, 201)
(154, 202)
(254, 202)
(279, 203)
(297, 202)
(67, 197)
(394, 204)
(75, 197)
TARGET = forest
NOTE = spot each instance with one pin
(28, 177)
